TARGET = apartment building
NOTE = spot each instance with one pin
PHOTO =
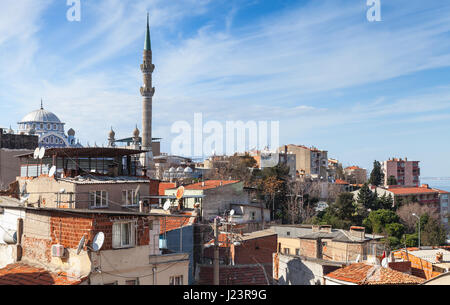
(355, 174)
(309, 161)
(407, 173)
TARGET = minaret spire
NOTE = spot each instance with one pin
(148, 45)
(42, 107)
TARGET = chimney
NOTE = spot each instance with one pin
(221, 182)
(358, 232)
(203, 183)
(141, 206)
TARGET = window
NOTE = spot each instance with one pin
(130, 197)
(286, 251)
(132, 282)
(98, 199)
(123, 235)
(253, 215)
(54, 126)
(48, 126)
(41, 126)
(297, 251)
(176, 280)
(288, 233)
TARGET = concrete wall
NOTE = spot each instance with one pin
(9, 166)
(292, 270)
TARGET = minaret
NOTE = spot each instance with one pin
(147, 92)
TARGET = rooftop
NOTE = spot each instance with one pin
(208, 184)
(364, 274)
(169, 223)
(96, 179)
(21, 274)
(411, 190)
(86, 152)
(340, 181)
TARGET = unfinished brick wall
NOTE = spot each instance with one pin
(308, 247)
(260, 249)
(419, 267)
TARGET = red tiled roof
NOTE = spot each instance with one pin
(411, 190)
(170, 223)
(441, 191)
(209, 184)
(165, 186)
(363, 274)
(21, 274)
(339, 181)
(353, 167)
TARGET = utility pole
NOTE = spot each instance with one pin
(216, 252)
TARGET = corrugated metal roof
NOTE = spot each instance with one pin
(105, 180)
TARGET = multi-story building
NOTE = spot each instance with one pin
(265, 159)
(309, 161)
(407, 173)
(444, 211)
(355, 175)
(12, 144)
(62, 243)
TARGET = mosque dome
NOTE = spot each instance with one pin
(188, 170)
(136, 132)
(180, 169)
(172, 170)
(71, 132)
(111, 134)
(40, 116)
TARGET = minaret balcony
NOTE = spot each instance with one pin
(147, 91)
(147, 68)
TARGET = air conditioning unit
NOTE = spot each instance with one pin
(57, 250)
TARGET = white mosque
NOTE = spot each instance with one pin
(49, 128)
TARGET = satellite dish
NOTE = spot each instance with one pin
(236, 243)
(180, 192)
(358, 258)
(52, 171)
(384, 262)
(231, 212)
(24, 198)
(81, 244)
(62, 191)
(36, 153)
(97, 243)
(41, 152)
(166, 205)
(23, 188)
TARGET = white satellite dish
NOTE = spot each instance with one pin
(52, 171)
(97, 243)
(358, 258)
(24, 198)
(166, 205)
(41, 152)
(384, 262)
(62, 191)
(81, 245)
(231, 212)
(23, 188)
(36, 153)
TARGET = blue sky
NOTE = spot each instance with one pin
(361, 90)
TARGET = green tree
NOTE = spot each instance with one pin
(391, 180)
(366, 197)
(343, 207)
(377, 220)
(385, 202)
(376, 176)
(432, 233)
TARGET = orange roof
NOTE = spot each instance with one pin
(209, 184)
(363, 274)
(164, 186)
(339, 181)
(170, 223)
(411, 190)
(353, 167)
(441, 191)
(21, 274)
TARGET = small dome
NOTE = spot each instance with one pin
(71, 132)
(32, 131)
(136, 132)
(111, 133)
(180, 169)
(172, 170)
(188, 170)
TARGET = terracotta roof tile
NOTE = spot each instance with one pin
(209, 184)
(21, 274)
(363, 274)
(165, 186)
(411, 190)
(339, 181)
(170, 223)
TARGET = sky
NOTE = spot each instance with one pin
(361, 90)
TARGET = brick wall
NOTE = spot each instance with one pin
(419, 267)
(260, 249)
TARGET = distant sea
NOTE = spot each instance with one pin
(442, 183)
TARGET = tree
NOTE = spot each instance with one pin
(302, 194)
(377, 220)
(391, 180)
(405, 213)
(376, 176)
(385, 202)
(366, 197)
(432, 233)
